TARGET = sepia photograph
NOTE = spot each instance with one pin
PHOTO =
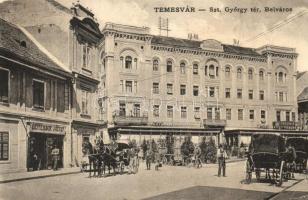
(153, 99)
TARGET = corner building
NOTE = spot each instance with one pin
(153, 85)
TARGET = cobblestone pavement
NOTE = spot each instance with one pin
(167, 183)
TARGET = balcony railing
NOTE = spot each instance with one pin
(130, 120)
(214, 122)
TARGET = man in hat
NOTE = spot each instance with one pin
(221, 157)
(55, 157)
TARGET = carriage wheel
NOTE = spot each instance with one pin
(248, 172)
(281, 174)
(258, 174)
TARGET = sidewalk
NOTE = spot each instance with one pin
(21, 176)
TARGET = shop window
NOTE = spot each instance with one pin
(38, 94)
(128, 62)
(122, 110)
(156, 110)
(195, 90)
(195, 69)
(228, 114)
(183, 89)
(4, 86)
(155, 65)
(155, 88)
(4, 146)
(170, 111)
(183, 112)
(182, 67)
(240, 114)
(169, 66)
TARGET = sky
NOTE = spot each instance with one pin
(224, 27)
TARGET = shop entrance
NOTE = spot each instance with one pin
(39, 151)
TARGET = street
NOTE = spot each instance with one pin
(167, 183)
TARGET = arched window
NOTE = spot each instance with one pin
(250, 74)
(205, 70)
(212, 71)
(128, 62)
(239, 73)
(217, 71)
(122, 61)
(169, 66)
(227, 71)
(195, 68)
(280, 77)
(261, 75)
(155, 65)
(182, 67)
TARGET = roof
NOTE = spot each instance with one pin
(17, 44)
(300, 74)
(303, 95)
(178, 42)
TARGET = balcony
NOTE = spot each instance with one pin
(214, 122)
(130, 120)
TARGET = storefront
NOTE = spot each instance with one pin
(42, 139)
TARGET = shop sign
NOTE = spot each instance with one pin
(50, 128)
(286, 125)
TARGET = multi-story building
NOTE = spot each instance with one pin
(35, 95)
(156, 85)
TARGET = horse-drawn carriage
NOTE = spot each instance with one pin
(300, 146)
(267, 154)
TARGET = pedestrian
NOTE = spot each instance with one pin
(148, 159)
(132, 160)
(55, 157)
(197, 155)
(221, 157)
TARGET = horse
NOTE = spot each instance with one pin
(109, 160)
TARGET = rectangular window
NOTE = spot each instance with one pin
(250, 94)
(251, 114)
(287, 116)
(136, 110)
(240, 114)
(38, 94)
(129, 86)
(195, 69)
(155, 88)
(170, 111)
(209, 113)
(121, 85)
(263, 114)
(4, 86)
(239, 93)
(228, 113)
(217, 113)
(212, 91)
(183, 89)
(60, 96)
(280, 97)
(169, 88)
(183, 112)
(156, 110)
(278, 116)
(261, 95)
(85, 55)
(122, 109)
(4, 146)
(196, 90)
(84, 102)
(197, 112)
(228, 93)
